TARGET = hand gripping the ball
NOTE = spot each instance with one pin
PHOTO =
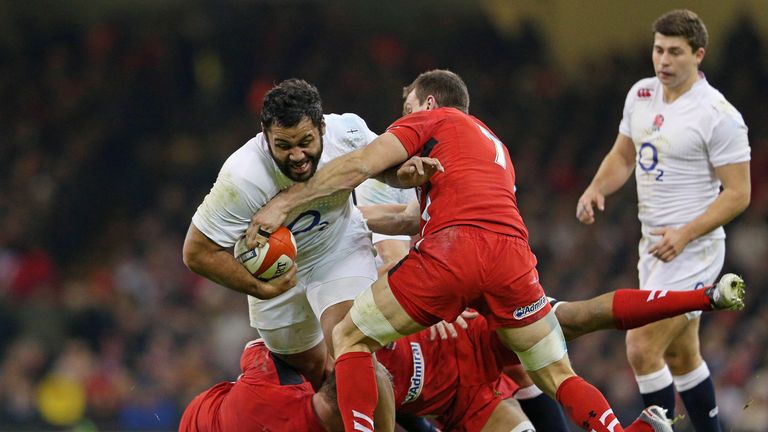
(272, 259)
(278, 285)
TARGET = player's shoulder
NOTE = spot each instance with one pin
(253, 151)
(348, 131)
(346, 124)
(644, 90)
(717, 104)
(250, 164)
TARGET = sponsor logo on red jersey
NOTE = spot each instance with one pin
(526, 311)
(417, 379)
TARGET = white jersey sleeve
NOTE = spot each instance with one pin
(729, 142)
(348, 131)
(373, 192)
(625, 127)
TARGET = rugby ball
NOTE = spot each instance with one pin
(270, 260)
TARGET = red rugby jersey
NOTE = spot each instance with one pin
(478, 185)
(426, 375)
(268, 396)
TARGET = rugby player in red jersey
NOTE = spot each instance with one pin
(269, 395)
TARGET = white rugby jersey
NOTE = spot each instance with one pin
(678, 146)
(372, 192)
(250, 178)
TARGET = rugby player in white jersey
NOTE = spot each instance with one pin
(684, 142)
(335, 258)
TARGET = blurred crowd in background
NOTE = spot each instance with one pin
(111, 134)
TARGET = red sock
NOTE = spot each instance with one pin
(357, 390)
(635, 308)
(586, 406)
(639, 426)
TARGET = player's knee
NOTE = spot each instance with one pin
(641, 354)
(681, 362)
(369, 324)
(343, 336)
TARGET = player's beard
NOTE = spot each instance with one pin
(286, 166)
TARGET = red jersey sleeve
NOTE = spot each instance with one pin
(415, 129)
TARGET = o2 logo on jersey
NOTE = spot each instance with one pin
(648, 158)
(307, 221)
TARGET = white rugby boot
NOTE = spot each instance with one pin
(728, 293)
(656, 417)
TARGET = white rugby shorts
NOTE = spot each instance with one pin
(289, 323)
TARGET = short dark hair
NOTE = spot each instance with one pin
(289, 102)
(683, 23)
(447, 88)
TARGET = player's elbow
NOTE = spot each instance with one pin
(411, 219)
(192, 257)
(740, 199)
(744, 199)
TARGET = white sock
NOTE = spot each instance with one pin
(525, 426)
(654, 381)
(692, 378)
